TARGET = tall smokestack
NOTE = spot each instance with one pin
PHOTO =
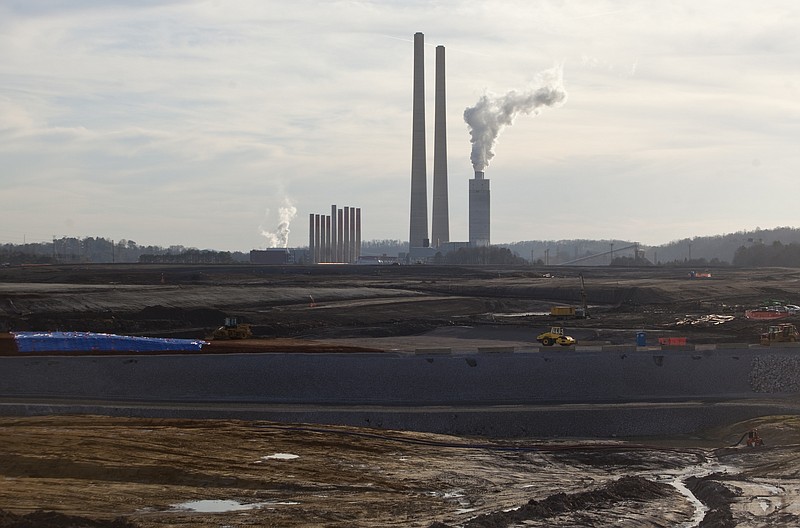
(333, 237)
(351, 254)
(339, 235)
(326, 237)
(317, 238)
(311, 238)
(358, 233)
(418, 234)
(346, 240)
(479, 210)
(440, 219)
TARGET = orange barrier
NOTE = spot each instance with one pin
(671, 340)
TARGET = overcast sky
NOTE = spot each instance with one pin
(195, 122)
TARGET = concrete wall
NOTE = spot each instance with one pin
(338, 388)
(427, 378)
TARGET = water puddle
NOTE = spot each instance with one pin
(224, 506)
(761, 498)
(455, 496)
(278, 456)
(518, 314)
(215, 506)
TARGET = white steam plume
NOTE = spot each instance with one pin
(280, 238)
(492, 112)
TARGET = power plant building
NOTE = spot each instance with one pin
(275, 256)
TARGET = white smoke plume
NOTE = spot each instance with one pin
(280, 238)
(492, 112)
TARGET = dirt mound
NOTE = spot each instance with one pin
(50, 519)
(629, 488)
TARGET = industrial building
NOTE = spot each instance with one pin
(272, 256)
(279, 256)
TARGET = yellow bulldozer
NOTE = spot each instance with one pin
(780, 333)
(555, 337)
(232, 329)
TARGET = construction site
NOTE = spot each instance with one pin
(340, 395)
(449, 411)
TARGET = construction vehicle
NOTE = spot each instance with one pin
(780, 333)
(753, 439)
(232, 329)
(571, 312)
(555, 336)
(565, 311)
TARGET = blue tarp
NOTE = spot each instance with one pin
(92, 342)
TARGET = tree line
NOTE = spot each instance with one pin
(190, 256)
(99, 250)
(770, 247)
(776, 254)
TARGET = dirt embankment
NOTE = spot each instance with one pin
(359, 301)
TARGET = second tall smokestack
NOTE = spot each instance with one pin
(440, 218)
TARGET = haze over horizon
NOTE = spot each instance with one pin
(205, 123)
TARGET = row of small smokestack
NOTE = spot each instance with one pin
(335, 238)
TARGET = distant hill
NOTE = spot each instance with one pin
(719, 247)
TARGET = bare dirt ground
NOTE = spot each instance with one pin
(158, 473)
(112, 472)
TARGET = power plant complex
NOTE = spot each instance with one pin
(336, 238)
